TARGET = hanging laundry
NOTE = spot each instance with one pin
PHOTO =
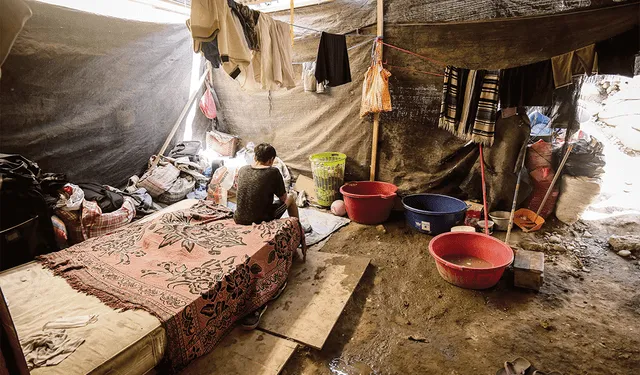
(332, 63)
(580, 61)
(470, 103)
(527, 85)
(213, 19)
(617, 55)
(211, 52)
(375, 88)
(309, 76)
(272, 65)
(248, 18)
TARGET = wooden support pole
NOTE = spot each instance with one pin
(376, 116)
(180, 118)
(291, 5)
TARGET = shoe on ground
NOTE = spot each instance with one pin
(275, 297)
(251, 321)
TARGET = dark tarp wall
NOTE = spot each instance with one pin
(413, 153)
(92, 96)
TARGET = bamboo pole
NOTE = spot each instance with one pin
(376, 116)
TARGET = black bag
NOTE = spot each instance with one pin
(25, 218)
(108, 200)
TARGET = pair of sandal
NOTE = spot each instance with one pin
(521, 366)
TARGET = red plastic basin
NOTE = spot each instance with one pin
(478, 245)
(369, 202)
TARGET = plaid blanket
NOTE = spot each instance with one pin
(469, 104)
(195, 271)
(89, 221)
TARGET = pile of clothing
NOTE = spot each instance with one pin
(470, 97)
(25, 225)
(89, 210)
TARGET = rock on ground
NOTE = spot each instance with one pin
(629, 242)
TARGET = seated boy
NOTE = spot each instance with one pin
(257, 186)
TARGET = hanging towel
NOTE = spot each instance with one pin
(375, 88)
(580, 61)
(272, 64)
(332, 63)
(48, 348)
(469, 104)
(528, 85)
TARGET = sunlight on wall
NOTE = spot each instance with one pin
(193, 86)
(139, 10)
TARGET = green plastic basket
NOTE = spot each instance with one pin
(328, 175)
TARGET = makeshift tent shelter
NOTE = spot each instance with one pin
(139, 81)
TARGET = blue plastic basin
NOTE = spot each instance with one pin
(433, 213)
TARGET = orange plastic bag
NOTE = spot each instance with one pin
(375, 89)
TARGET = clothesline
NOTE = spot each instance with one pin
(414, 70)
(414, 54)
(320, 31)
(348, 49)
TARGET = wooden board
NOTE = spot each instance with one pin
(317, 292)
(241, 352)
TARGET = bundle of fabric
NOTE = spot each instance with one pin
(375, 88)
(469, 104)
(89, 220)
(171, 179)
(194, 269)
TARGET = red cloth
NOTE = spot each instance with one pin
(195, 271)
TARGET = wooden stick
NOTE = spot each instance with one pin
(553, 182)
(376, 116)
(484, 192)
(179, 121)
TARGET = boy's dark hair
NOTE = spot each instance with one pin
(264, 152)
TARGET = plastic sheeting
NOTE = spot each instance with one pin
(92, 96)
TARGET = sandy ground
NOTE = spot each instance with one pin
(584, 320)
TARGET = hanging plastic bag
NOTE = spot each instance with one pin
(375, 89)
(208, 105)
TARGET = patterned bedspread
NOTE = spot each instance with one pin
(194, 269)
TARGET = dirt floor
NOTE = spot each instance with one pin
(405, 319)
